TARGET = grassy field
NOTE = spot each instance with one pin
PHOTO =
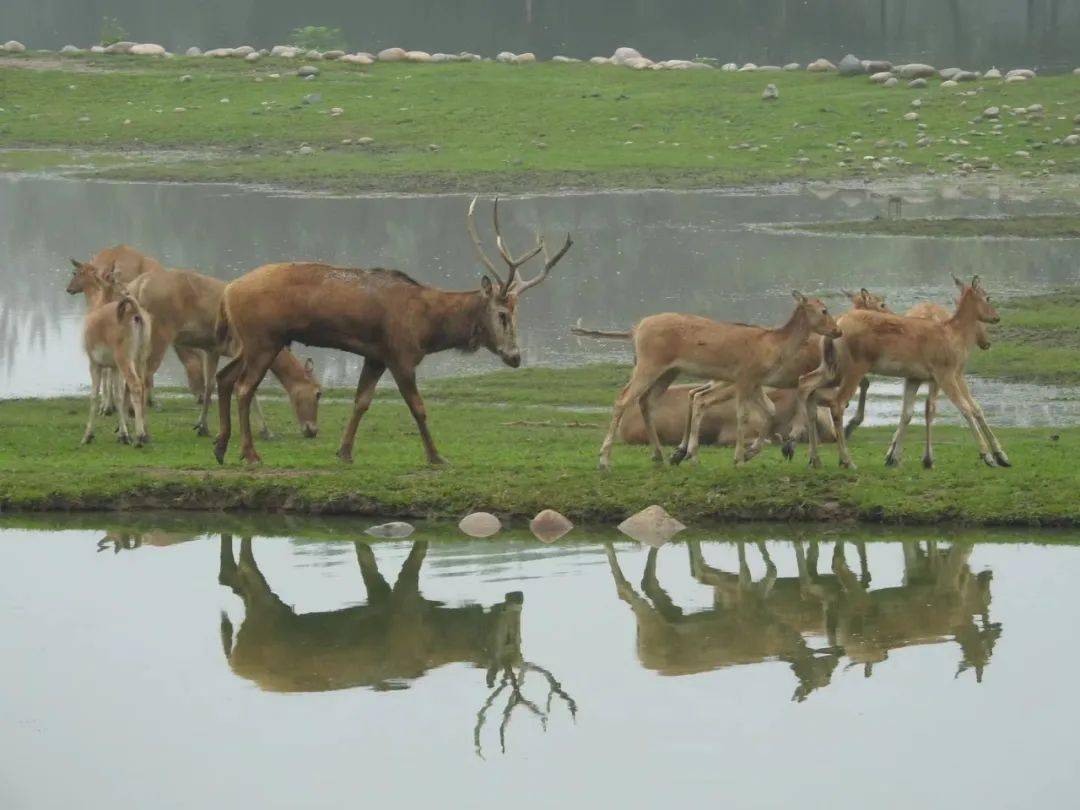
(1034, 227)
(481, 126)
(1038, 340)
(515, 459)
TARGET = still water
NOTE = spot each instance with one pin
(287, 665)
(634, 254)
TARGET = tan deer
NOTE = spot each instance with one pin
(913, 349)
(934, 311)
(116, 335)
(671, 344)
(385, 316)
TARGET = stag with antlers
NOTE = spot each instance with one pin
(385, 316)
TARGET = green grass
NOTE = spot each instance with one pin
(1033, 227)
(500, 126)
(516, 459)
(1038, 341)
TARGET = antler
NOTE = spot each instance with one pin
(549, 262)
(471, 224)
(513, 263)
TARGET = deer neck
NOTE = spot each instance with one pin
(289, 370)
(456, 321)
(965, 323)
(792, 335)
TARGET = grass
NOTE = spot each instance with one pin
(516, 459)
(1038, 341)
(485, 126)
(1032, 227)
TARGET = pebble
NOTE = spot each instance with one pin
(892, 81)
(14, 46)
(185, 78)
(1071, 140)
(770, 93)
(881, 77)
(364, 141)
(917, 84)
(307, 70)
(652, 526)
(253, 57)
(194, 50)
(992, 73)
(395, 529)
(792, 66)
(305, 150)
(223, 101)
(336, 111)
(480, 524)
(916, 103)
(949, 83)
(991, 112)
(820, 66)
(312, 98)
(549, 525)
(911, 116)
(83, 119)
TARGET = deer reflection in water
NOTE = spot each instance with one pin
(395, 638)
(771, 619)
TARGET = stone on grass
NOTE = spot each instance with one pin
(185, 78)
(119, 47)
(915, 70)
(305, 150)
(850, 65)
(506, 57)
(391, 55)
(548, 526)
(881, 77)
(285, 51)
(332, 55)
(564, 60)
(1015, 79)
(312, 98)
(949, 73)
(357, 59)
(652, 526)
(892, 81)
(911, 116)
(1025, 72)
(254, 56)
(365, 141)
(194, 50)
(770, 93)
(395, 528)
(749, 67)
(770, 69)
(70, 49)
(417, 56)
(729, 67)
(307, 70)
(480, 524)
(949, 83)
(991, 112)
(242, 51)
(792, 66)
(599, 60)
(524, 58)
(917, 84)
(966, 76)
(14, 46)
(821, 66)
(623, 54)
(877, 66)
(992, 73)
(1071, 140)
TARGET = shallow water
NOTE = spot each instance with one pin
(634, 254)
(181, 667)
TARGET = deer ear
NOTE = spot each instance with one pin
(959, 284)
(75, 263)
(976, 282)
(485, 286)
(865, 292)
(309, 365)
(798, 296)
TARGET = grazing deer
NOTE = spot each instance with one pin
(671, 344)
(741, 627)
(184, 305)
(718, 421)
(116, 335)
(936, 312)
(385, 316)
(913, 349)
(397, 637)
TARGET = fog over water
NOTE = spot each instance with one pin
(972, 33)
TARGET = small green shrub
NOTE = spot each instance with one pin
(112, 31)
(317, 37)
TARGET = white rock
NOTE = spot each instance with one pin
(966, 76)
(218, 53)
(285, 51)
(1071, 140)
(820, 66)
(911, 116)
(242, 51)
(881, 78)
(392, 55)
(652, 526)
(949, 83)
(917, 84)
(992, 73)
(396, 529)
(549, 525)
(70, 49)
(506, 57)
(336, 111)
(480, 524)
(639, 63)
(770, 93)
(729, 67)
(892, 81)
(119, 47)
(524, 58)
(357, 59)
(417, 56)
(253, 57)
(1076, 71)
(14, 46)
(307, 70)
(949, 73)
(915, 70)
(1025, 72)
(365, 141)
(624, 53)
(599, 60)
(194, 50)
(991, 112)
(97, 49)
(314, 55)
(305, 150)
(564, 60)
(792, 66)
(1015, 79)
(769, 69)
(850, 65)
(185, 78)
(749, 67)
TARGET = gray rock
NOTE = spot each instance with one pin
(1025, 72)
(877, 66)
(564, 60)
(917, 84)
(966, 76)
(1071, 140)
(505, 57)
(1076, 71)
(242, 51)
(850, 65)
(391, 55)
(915, 70)
(312, 98)
(792, 66)
(549, 525)
(70, 49)
(14, 46)
(332, 55)
(305, 150)
(193, 51)
(770, 93)
(949, 83)
(254, 56)
(365, 141)
(892, 81)
(992, 73)
(770, 69)
(749, 67)
(480, 524)
(120, 47)
(97, 49)
(624, 54)
(991, 112)
(185, 78)
(729, 67)
(307, 70)
(949, 73)
(395, 529)
(911, 116)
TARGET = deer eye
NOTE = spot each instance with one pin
(504, 320)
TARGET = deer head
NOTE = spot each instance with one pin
(304, 395)
(973, 295)
(864, 299)
(498, 330)
(817, 315)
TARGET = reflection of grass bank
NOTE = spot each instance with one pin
(470, 126)
(516, 460)
(1038, 341)
(1036, 227)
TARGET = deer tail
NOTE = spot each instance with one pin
(221, 325)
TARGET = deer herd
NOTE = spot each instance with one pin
(760, 384)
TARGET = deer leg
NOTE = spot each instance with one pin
(980, 418)
(226, 381)
(264, 426)
(138, 398)
(107, 400)
(646, 402)
(896, 448)
(638, 385)
(198, 380)
(768, 409)
(122, 392)
(953, 391)
(860, 410)
(209, 373)
(931, 412)
(406, 383)
(807, 406)
(701, 400)
(377, 588)
(365, 392)
(254, 371)
(848, 384)
(769, 582)
(681, 451)
(227, 564)
(95, 394)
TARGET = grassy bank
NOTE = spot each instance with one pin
(1034, 227)
(490, 126)
(515, 460)
(1038, 340)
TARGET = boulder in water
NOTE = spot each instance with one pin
(480, 524)
(652, 526)
(395, 528)
(549, 525)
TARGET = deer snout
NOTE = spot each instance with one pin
(512, 360)
(837, 332)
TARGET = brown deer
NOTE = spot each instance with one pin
(718, 421)
(116, 335)
(385, 316)
(671, 344)
(934, 311)
(184, 305)
(912, 349)
(393, 639)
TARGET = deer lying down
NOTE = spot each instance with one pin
(116, 336)
(718, 424)
(671, 344)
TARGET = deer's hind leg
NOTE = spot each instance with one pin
(95, 396)
(931, 412)
(980, 418)
(209, 374)
(646, 402)
(949, 384)
(640, 383)
(896, 447)
(852, 377)
(226, 381)
(860, 409)
(689, 434)
(251, 376)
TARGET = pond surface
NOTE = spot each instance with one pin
(181, 667)
(634, 254)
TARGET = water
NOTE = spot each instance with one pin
(133, 677)
(976, 33)
(634, 254)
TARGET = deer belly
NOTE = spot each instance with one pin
(893, 367)
(102, 355)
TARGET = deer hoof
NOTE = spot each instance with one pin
(988, 459)
(123, 438)
(220, 446)
(892, 460)
(201, 429)
(815, 462)
(252, 459)
(603, 465)
(848, 464)
(1002, 459)
(787, 449)
(142, 440)
(928, 462)
(266, 434)
(89, 437)
(677, 456)
(345, 455)
(438, 461)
